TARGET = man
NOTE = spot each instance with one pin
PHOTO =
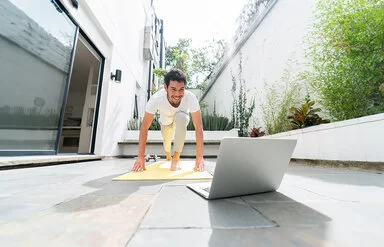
(174, 104)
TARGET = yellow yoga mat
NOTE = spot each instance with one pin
(161, 171)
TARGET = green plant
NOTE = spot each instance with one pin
(381, 89)
(197, 62)
(250, 12)
(305, 115)
(256, 132)
(203, 105)
(278, 97)
(155, 125)
(346, 54)
(159, 72)
(241, 111)
(212, 122)
(135, 124)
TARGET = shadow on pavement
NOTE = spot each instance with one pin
(108, 193)
(295, 224)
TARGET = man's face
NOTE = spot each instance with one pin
(175, 92)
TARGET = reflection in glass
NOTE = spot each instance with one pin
(36, 41)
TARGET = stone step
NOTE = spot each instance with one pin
(129, 148)
(13, 162)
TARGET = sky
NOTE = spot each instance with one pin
(200, 20)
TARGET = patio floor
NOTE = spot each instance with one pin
(79, 205)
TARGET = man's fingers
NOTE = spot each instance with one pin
(138, 167)
(201, 167)
(198, 168)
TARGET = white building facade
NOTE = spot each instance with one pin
(74, 72)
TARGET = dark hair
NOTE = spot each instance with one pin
(175, 75)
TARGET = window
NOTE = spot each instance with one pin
(36, 39)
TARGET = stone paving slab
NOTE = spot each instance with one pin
(89, 222)
(179, 207)
(79, 205)
(313, 207)
(267, 237)
(70, 205)
(286, 211)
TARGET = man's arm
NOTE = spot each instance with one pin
(198, 123)
(146, 123)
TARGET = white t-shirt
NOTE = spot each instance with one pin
(159, 101)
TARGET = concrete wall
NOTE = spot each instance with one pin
(117, 29)
(275, 46)
(359, 139)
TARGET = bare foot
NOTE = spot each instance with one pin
(168, 156)
(175, 165)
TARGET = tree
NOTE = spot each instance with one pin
(177, 56)
(204, 60)
(251, 10)
(198, 63)
(346, 49)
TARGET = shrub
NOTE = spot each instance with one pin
(305, 115)
(346, 52)
(279, 97)
(256, 132)
(210, 123)
(134, 124)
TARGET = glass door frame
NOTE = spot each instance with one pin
(65, 98)
(66, 92)
(99, 88)
(98, 95)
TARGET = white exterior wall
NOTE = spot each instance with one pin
(265, 55)
(357, 139)
(116, 28)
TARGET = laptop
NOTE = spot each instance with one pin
(247, 165)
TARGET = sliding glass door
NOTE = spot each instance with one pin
(36, 50)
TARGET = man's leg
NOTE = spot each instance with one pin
(181, 121)
(167, 132)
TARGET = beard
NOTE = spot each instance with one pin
(175, 102)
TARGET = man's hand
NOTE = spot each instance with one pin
(198, 123)
(139, 165)
(199, 166)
